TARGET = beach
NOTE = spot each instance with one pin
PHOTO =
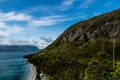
(32, 74)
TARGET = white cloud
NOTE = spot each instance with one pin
(86, 3)
(3, 25)
(37, 23)
(3, 34)
(109, 4)
(13, 16)
(29, 41)
(8, 27)
(6, 30)
(96, 13)
(6, 41)
(80, 15)
(47, 40)
(37, 9)
(66, 4)
(63, 6)
(14, 29)
(47, 21)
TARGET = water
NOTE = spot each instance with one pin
(13, 66)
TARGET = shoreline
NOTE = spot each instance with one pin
(32, 73)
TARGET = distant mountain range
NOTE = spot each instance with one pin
(18, 48)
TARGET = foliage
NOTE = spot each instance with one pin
(81, 59)
(71, 61)
(116, 72)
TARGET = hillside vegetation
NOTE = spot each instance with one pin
(84, 51)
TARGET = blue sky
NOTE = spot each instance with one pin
(39, 22)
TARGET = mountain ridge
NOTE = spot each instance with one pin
(18, 48)
(76, 29)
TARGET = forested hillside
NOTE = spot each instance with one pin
(84, 51)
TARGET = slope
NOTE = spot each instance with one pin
(83, 51)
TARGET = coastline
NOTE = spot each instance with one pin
(32, 73)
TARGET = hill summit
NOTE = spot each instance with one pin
(102, 26)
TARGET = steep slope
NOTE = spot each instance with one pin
(18, 48)
(99, 26)
(84, 51)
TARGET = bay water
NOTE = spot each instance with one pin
(13, 66)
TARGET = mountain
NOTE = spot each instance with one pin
(18, 48)
(85, 51)
(99, 26)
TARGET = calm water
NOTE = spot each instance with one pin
(13, 66)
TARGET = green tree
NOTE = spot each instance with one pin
(98, 68)
(116, 73)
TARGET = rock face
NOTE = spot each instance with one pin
(105, 25)
(18, 48)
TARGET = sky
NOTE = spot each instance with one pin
(40, 22)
